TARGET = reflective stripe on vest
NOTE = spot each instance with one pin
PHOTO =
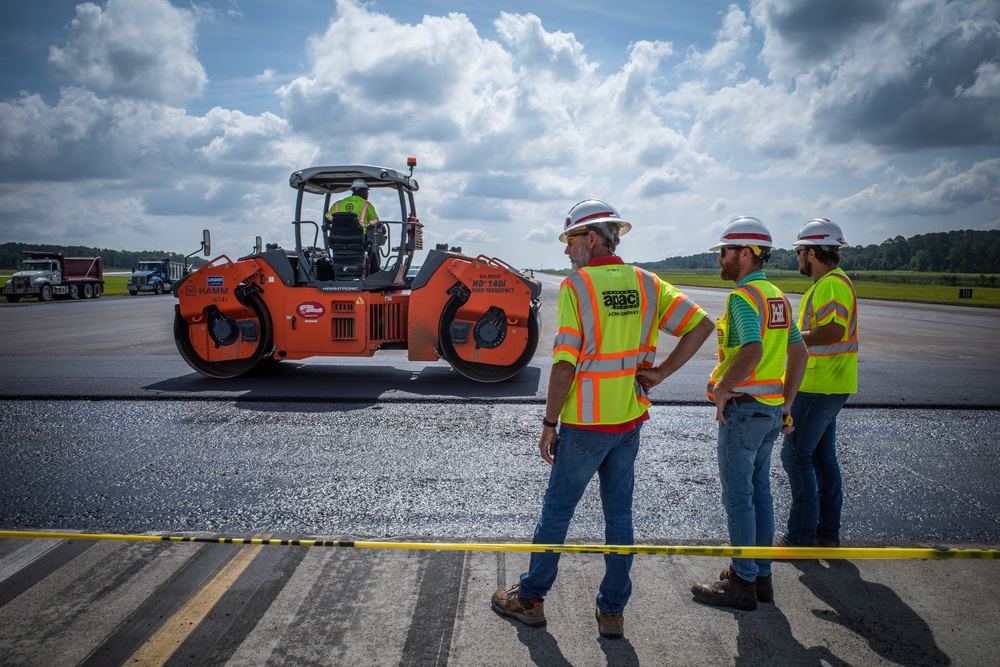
(774, 328)
(362, 214)
(849, 346)
(602, 363)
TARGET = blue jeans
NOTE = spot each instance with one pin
(745, 443)
(809, 456)
(579, 454)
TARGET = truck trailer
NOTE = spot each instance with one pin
(47, 275)
(155, 275)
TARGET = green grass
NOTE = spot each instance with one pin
(867, 284)
(886, 285)
(115, 284)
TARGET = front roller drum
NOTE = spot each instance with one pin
(226, 344)
(488, 332)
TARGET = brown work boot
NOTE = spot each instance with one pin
(827, 544)
(765, 591)
(530, 611)
(611, 626)
(733, 592)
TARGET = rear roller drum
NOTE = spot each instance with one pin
(489, 332)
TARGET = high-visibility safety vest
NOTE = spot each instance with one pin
(610, 314)
(774, 316)
(832, 369)
(358, 205)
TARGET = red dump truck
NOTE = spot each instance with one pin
(48, 275)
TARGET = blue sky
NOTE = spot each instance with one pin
(134, 124)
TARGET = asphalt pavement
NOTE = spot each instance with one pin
(116, 602)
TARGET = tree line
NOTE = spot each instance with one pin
(965, 251)
(114, 260)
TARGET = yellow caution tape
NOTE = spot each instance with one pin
(776, 553)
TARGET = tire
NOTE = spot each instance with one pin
(74, 292)
(133, 292)
(88, 291)
(159, 288)
(13, 299)
(98, 290)
(45, 294)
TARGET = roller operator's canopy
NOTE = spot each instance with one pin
(331, 180)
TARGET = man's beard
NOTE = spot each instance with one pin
(581, 258)
(728, 270)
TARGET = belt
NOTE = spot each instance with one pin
(744, 398)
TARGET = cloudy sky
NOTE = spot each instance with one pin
(134, 124)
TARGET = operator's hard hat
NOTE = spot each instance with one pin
(744, 231)
(359, 184)
(592, 212)
(821, 232)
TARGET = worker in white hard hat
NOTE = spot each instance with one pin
(609, 318)
(828, 319)
(357, 203)
(761, 362)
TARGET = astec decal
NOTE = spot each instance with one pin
(310, 310)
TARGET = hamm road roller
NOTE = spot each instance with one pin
(344, 292)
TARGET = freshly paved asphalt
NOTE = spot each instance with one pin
(71, 601)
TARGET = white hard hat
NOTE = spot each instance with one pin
(592, 212)
(821, 232)
(744, 231)
(359, 184)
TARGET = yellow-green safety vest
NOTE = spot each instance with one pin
(832, 369)
(767, 381)
(358, 205)
(609, 321)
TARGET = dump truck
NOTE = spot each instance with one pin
(48, 275)
(154, 275)
(343, 291)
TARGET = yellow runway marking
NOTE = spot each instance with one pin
(169, 637)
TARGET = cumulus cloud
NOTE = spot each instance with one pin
(987, 83)
(138, 49)
(944, 190)
(513, 122)
(886, 72)
(409, 83)
(730, 41)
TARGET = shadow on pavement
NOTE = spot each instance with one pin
(765, 637)
(328, 382)
(871, 610)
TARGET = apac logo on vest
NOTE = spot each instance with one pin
(621, 300)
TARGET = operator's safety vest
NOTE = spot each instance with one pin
(832, 369)
(766, 382)
(356, 205)
(610, 315)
